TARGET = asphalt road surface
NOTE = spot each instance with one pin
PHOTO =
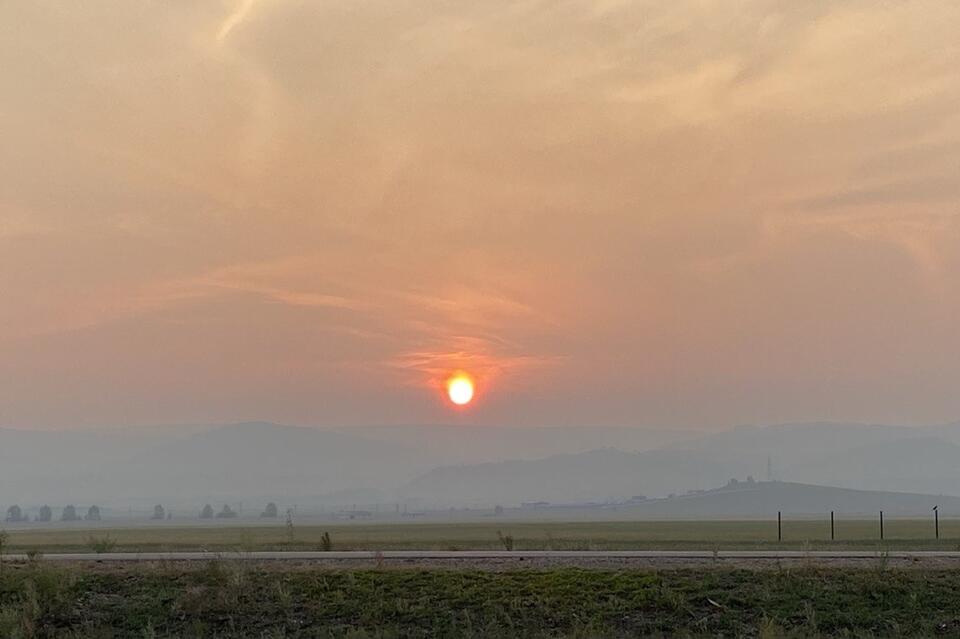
(500, 555)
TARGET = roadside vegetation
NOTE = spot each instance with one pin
(232, 599)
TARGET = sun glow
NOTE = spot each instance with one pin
(460, 389)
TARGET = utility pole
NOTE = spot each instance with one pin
(832, 535)
(881, 525)
(936, 521)
(779, 528)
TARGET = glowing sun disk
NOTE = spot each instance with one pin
(460, 390)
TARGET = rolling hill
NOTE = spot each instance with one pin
(765, 499)
(458, 465)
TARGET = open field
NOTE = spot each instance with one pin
(231, 599)
(902, 534)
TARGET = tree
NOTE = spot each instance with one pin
(207, 512)
(226, 513)
(45, 514)
(15, 513)
(159, 512)
(270, 511)
(69, 513)
(93, 513)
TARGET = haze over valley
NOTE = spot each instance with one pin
(448, 465)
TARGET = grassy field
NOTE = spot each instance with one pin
(232, 599)
(707, 535)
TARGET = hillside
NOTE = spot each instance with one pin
(465, 444)
(604, 474)
(767, 498)
(252, 460)
(457, 465)
(918, 464)
(891, 458)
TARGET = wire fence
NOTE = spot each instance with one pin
(834, 526)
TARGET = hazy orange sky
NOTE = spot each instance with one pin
(676, 214)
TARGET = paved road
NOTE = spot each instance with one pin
(495, 554)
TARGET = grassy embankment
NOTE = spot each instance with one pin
(707, 535)
(236, 599)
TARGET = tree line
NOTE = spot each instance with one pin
(69, 513)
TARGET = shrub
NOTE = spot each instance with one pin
(270, 512)
(4, 536)
(15, 514)
(101, 544)
(226, 513)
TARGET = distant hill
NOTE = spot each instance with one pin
(790, 445)
(457, 465)
(604, 474)
(897, 458)
(767, 498)
(465, 444)
(893, 458)
(920, 464)
(251, 460)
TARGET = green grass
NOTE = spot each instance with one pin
(224, 599)
(708, 535)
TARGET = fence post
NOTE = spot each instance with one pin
(832, 535)
(779, 528)
(881, 525)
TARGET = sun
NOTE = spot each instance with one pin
(460, 389)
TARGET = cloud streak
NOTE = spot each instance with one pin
(630, 212)
(235, 19)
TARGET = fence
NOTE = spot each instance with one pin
(858, 527)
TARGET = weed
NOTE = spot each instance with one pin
(769, 629)
(4, 536)
(214, 573)
(810, 619)
(326, 545)
(505, 540)
(883, 561)
(283, 595)
(101, 545)
(9, 620)
(221, 599)
(289, 526)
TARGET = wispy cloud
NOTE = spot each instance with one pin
(612, 191)
(235, 18)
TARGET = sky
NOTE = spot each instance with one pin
(686, 214)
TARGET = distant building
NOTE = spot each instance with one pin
(535, 504)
